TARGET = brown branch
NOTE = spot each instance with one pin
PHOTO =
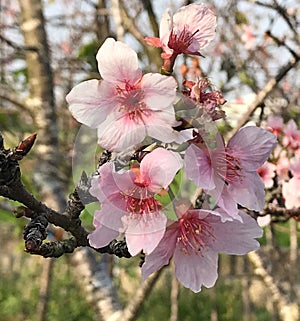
(262, 95)
(20, 48)
(281, 10)
(129, 25)
(288, 311)
(21, 105)
(44, 293)
(94, 278)
(281, 214)
(40, 214)
(152, 19)
(174, 295)
(282, 43)
(130, 312)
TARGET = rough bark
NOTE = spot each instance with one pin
(42, 103)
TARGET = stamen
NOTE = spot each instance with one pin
(180, 43)
(141, 201)
(227, 166)
(194, 233)
(131, 102)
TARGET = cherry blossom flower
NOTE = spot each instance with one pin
(275, 123)
(194, 242)
(128, 201)
(248, 37)
(282, 164)
(126, 105)
(291, 138)
(290, 189)
(191, 29)
(229, 173)
(267, 173)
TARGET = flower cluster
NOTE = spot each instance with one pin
(282, 170)
(179, 149)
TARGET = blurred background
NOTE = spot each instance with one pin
(253, 61)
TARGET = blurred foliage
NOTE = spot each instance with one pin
(225, 298)
(19, 292)
(88, 54)
(240, 18)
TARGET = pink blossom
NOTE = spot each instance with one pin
(267, 173)
(248, 38)
(275, 123)
(291, 138)
(291, 189)
(191, 29)
(229, 173)
(194, 242)
(282, 165)
(295, 166)
(126, 106)
(290, 192)
(128, 203)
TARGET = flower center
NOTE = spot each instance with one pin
(194, 233)
(131, 102)
(227, 166)
(141, 201)
(180, 42)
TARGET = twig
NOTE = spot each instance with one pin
(281, 10)
(40, 214)
(287, 310)
(131, 310)
(44, 294)
(153, 22)
(129, 25)
(261, 96)
(174, 295)
(18, 47)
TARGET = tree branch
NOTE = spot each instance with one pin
(261, 96)
(287, 310)
(40, 214)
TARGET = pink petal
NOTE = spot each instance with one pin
(160, 167)
(103, 234)
(267, 172)
(295, 166)
(117, 134)
(159, 126)
(193, 270)
(197, 17)
(249, 192)
(95, 189)
(109, 183)
(165, 28)
(252, 145)
(111, 213)
(153, 41)
(144, 232)
(86, 103)
(161, 254)
(198, 167)
(118, 63)
(224, 200)
(159, 91)
(235, 237)
(291, 194)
